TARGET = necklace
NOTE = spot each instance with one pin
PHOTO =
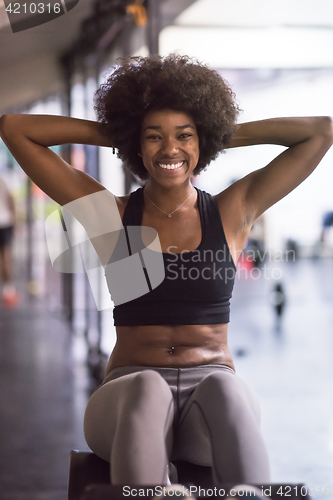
(166, 213)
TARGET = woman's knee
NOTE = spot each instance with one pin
(230, 391)
(148, 387)
(141, 391)
(219, 384)
(139, 387)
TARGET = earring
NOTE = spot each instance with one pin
(139, 155)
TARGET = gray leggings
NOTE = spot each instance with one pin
(140, 418)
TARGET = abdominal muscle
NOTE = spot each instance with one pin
(171, 346)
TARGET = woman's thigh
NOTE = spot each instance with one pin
(142, 398)
(221, 401)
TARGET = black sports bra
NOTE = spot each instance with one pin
(197, 286)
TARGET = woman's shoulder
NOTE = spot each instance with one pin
(122, 201)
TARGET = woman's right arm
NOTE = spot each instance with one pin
(28, 138)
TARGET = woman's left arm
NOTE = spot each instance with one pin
(307, 140)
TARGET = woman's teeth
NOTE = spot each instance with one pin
(170, 166)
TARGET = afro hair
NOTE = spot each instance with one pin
(143, 84)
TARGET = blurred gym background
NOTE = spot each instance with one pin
(278, 58)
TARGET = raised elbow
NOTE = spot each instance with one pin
(6, 126)
(326, 127)
(3, 119)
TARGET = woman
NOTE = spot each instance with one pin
(170, 389)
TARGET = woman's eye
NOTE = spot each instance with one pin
(185, 136)
(153, 137)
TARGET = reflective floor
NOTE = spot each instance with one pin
(291, 369)
(45, 385)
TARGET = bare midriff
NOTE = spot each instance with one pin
(171, 346)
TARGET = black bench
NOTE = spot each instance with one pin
(86, 468)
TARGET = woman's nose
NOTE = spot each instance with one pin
(170, 146)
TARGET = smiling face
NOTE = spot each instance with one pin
(169, 146)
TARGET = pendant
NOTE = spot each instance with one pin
(169, 215)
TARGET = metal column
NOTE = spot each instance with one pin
(67, 278)
(154, 26)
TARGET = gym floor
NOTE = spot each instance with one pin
(45, 384)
